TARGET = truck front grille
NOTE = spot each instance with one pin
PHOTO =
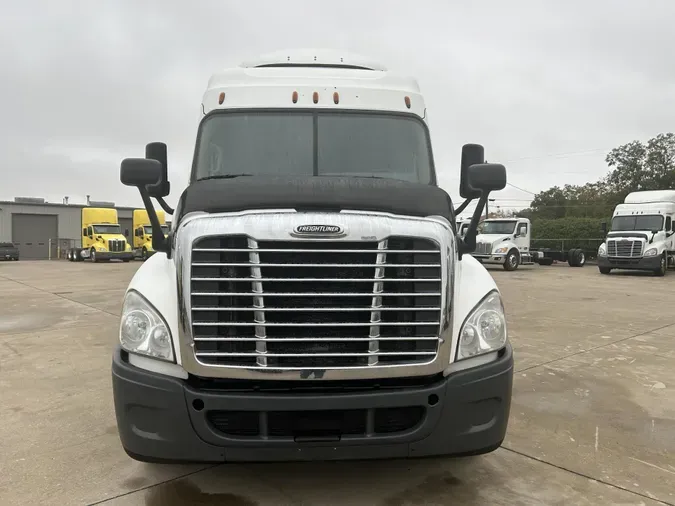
(315, 304)
(483, 248)
(319, 423)
(624, 248)
(116, 245)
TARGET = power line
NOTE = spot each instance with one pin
(521, 189)
(559, 155)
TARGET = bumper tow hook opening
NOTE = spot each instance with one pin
(433, 400)
(198, 404)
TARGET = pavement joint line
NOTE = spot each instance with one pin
(582, 475)
(59, 296)
(594, 348)
(147, 487)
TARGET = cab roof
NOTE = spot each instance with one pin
(312, 78)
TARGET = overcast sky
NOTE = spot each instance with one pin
(548, 87)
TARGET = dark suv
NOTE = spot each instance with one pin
(8, 251)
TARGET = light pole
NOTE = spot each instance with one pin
(487, 215)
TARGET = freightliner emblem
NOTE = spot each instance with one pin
(318, 230)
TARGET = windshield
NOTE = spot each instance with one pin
(641, 222)
(497, 227)
(321, 143)
(147, 230)
(107, 229)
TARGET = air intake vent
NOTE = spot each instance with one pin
(314, 58)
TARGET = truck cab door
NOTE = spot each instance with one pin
(670, 234)
(522, 239)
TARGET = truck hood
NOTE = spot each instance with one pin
(109, 237)
(492, 238)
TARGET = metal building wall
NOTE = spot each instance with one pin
(69, 218)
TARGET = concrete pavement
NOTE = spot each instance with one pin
(592, 419)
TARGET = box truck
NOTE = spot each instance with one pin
(641, 235)
(314, 300)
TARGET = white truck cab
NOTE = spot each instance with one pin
(504, 241)
(312, 299)
(642, 234)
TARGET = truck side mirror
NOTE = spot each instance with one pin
(157, 151)
(486, 177)
(603, 228)
(472, 154)
(481, 178)
(143, 172)
(140, 172)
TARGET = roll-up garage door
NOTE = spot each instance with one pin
(31, 234)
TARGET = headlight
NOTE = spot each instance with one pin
(485, 328)
(503, 249)
(650, 252)
(143, 330)
(602, 251)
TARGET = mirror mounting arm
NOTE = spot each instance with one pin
(468, 243)
(463, 206)
(159, 242)
(165, 206)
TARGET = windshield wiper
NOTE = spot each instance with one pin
(222, 176)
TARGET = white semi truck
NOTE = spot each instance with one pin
(506, 242)
(642, 234)
(312, 299)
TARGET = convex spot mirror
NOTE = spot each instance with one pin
(157, 151)
(472, 154)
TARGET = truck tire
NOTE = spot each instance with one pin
(579, 257)
(512, 260)
(604, 270)
(92, 255)
(571, 257)
(144, 254)
(663, 268)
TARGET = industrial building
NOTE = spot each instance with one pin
(43, 230)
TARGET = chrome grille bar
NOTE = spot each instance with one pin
(284, 250)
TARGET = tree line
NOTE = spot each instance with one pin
(576, 211)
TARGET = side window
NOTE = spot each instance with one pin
(90, 231)
(84, 231)
(669, 225)
(522, 229)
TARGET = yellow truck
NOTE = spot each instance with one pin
(102, 237)
(143, 232)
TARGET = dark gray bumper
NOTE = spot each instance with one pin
(638, 264)
(158, 419)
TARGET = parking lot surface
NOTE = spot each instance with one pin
(592, 418)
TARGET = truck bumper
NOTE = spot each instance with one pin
(638, 264)
(490, 259)
(122, 255)
(165, 419)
